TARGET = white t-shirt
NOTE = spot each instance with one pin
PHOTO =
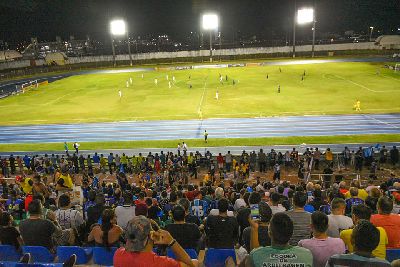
(69, 218)
(337, 223)
(239, 203)
(276, 209)
(215, 212)
(124, 215)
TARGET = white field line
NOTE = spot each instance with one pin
(202, 96)
(363, 86)
(380, 121)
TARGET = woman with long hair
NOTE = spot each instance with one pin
(108, 233)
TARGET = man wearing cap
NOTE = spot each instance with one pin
(140, 240)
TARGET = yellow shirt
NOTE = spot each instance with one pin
(26, 187)
(379, 252)
(329, 155)
(362, 194)
(67, 180)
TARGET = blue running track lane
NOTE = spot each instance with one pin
(217, 128)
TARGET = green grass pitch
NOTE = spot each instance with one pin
(330, 88)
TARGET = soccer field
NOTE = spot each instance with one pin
(330, 88)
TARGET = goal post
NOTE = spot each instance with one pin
(29, 85)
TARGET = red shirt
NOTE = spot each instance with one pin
(391, 224)
(343, 191)
(220, 159)
(123, 258)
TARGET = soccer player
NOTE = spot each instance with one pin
(156, 81)
(357, 106)
(142, 75)
(221, 79)
(173, 78)
(127, 84)
(130, 80)
(267, 76)
(120, 94)
(233, 82)
(216, 95)
(205, 136)
(169, 85)
(279, 88)
(166, 76)
(280, 70)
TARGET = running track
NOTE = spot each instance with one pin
(217, 128)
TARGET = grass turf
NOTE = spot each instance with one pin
(340, 139)
(330, 88)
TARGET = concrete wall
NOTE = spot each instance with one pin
(200, 53)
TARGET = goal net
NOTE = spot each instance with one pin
(29, 85)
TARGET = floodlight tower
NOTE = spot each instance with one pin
(304, 16)
(118, 28)
(371, 28)
(210, 23)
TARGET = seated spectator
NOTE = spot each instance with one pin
(354, 200)
(66, 216)
(94, 213)
(321, 245)
(337, 220)
(36, 231)
(280, 231)
(362, 193)
(222, 230)
(318, 200)
(276, 206)
(390, 222)
(372, 200)
(263, 237)
(359, 213)
(365, 238)
(126, 212)
(189, 218)
(186, 234)
(9, 235)
(107, 234)
(301, 219)
(243, 213)
(138, 250)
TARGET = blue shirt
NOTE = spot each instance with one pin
(96, 159)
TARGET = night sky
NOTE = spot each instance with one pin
(22, 19)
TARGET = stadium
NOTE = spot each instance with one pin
(213, 149)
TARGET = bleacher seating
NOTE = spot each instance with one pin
(103, 256)
(217, 257)
(9, 253)
(83, 255)
(392, 254)
(39, 254)
(191, 252)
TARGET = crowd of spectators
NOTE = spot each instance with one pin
(324, 223)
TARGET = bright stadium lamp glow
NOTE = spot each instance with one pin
(305, 15)
(118, 27)
(210, 21)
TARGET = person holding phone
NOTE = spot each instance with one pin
(141, 237)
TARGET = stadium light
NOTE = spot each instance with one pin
(370, 34)
(210, 23)
(118, 28)
(304, 16)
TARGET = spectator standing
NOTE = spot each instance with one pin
(262, 161)
(228, 161)
(354, 200)
(321, 245)
(394, 155)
